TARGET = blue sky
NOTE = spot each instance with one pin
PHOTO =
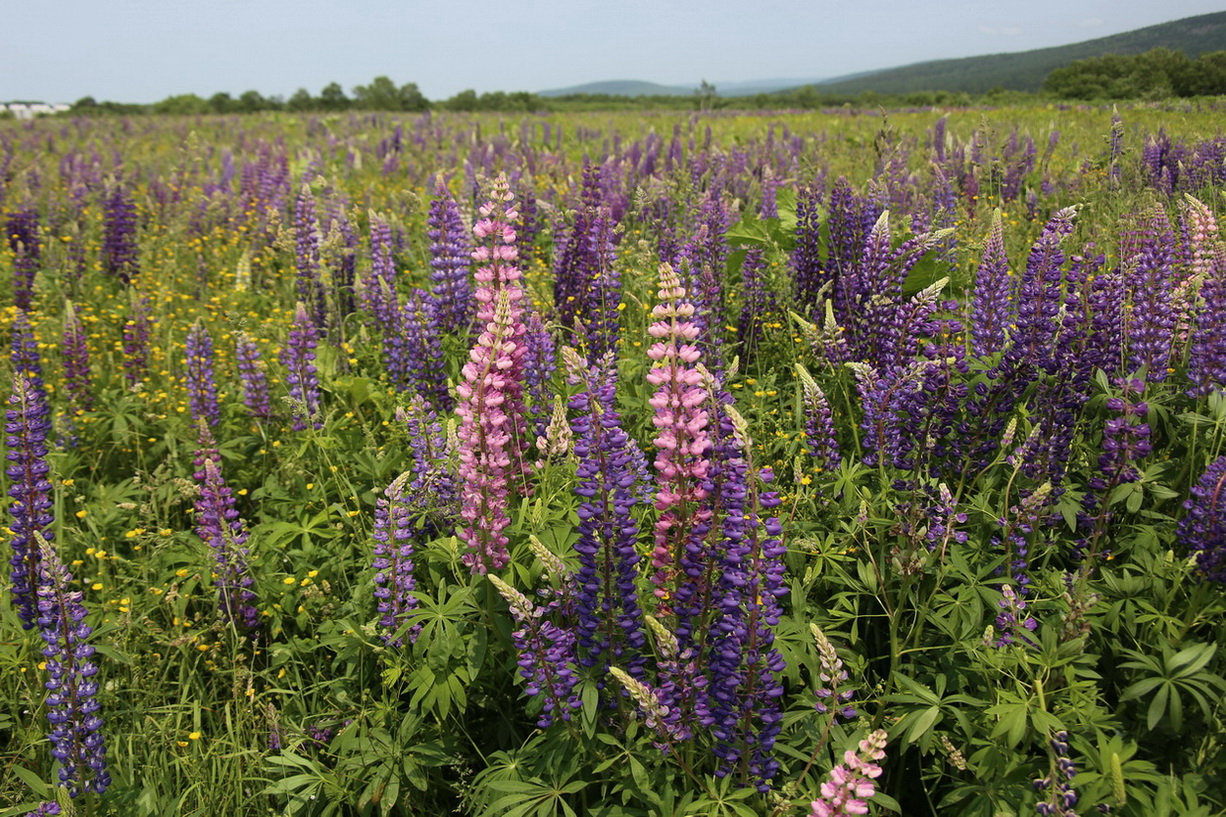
(145, 50)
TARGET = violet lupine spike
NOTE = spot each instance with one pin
(851, 783)
(136, 331)
(540, 362)
(820, 438)
(424, 366)
(758, 304)
(219, 526)
(1061, 797)
(119, 252)
(992, 310)
(546, 656)
(393, 564)
(743, 687)
(77, 379)
(450, 261)
(1151, 326)
(610, 625)
(27, 422)
(1039, 297)
(1207, 358)
(1203, 530)
(254, 377)
(307, 240)
(682, 441)
(24, 355)
(1014, 622)
(382, 275)
(201, 383)
(76, 737)
(298, 358)
(21, 228)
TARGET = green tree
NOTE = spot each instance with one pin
(221, 102)
(301, 100)
(332, 97)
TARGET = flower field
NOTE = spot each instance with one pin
(615, 465)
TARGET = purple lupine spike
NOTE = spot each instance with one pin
(75, 352)
(1014, 622)
(307, 240)
(343, 241)
(254, 377)
(201, 384)
(119, 249)
(72, 705)
(219, 526)
(609, 628)
(758, 304)
(820, 439)
(434, 484)
(1203, 530)
(1039, 296)
(546, 656)
(851, 783)
(493, 432)
(382, 277)
(136, 331)
(1207, 360)
(586, 285)
(1022, 520)
(450, 261)
(740, 700)
(298, 358)
(393, 563)
(21, 229)
(423, 366)
(992, 309)
(1061, 798)
(24, 356)
(540, 362)
(1151, 327)
(682, 440)
(27, 422)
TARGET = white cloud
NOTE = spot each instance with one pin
(991, 32)
(1010, 31)
(1091, 22)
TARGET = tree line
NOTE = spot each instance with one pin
(1159, 73)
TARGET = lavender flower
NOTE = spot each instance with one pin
(298, 357)
(72, 706)
(1207, 359)
(1151, 283)
(423, 362)
(1203, 530)
(219, 526)
(820, 436)
(26, 427)
(201, 385)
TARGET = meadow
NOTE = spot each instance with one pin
(615, 464)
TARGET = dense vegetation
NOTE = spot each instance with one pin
(414, 464)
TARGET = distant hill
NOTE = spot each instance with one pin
(1026, 70)
(622, 87)
(634, 87)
